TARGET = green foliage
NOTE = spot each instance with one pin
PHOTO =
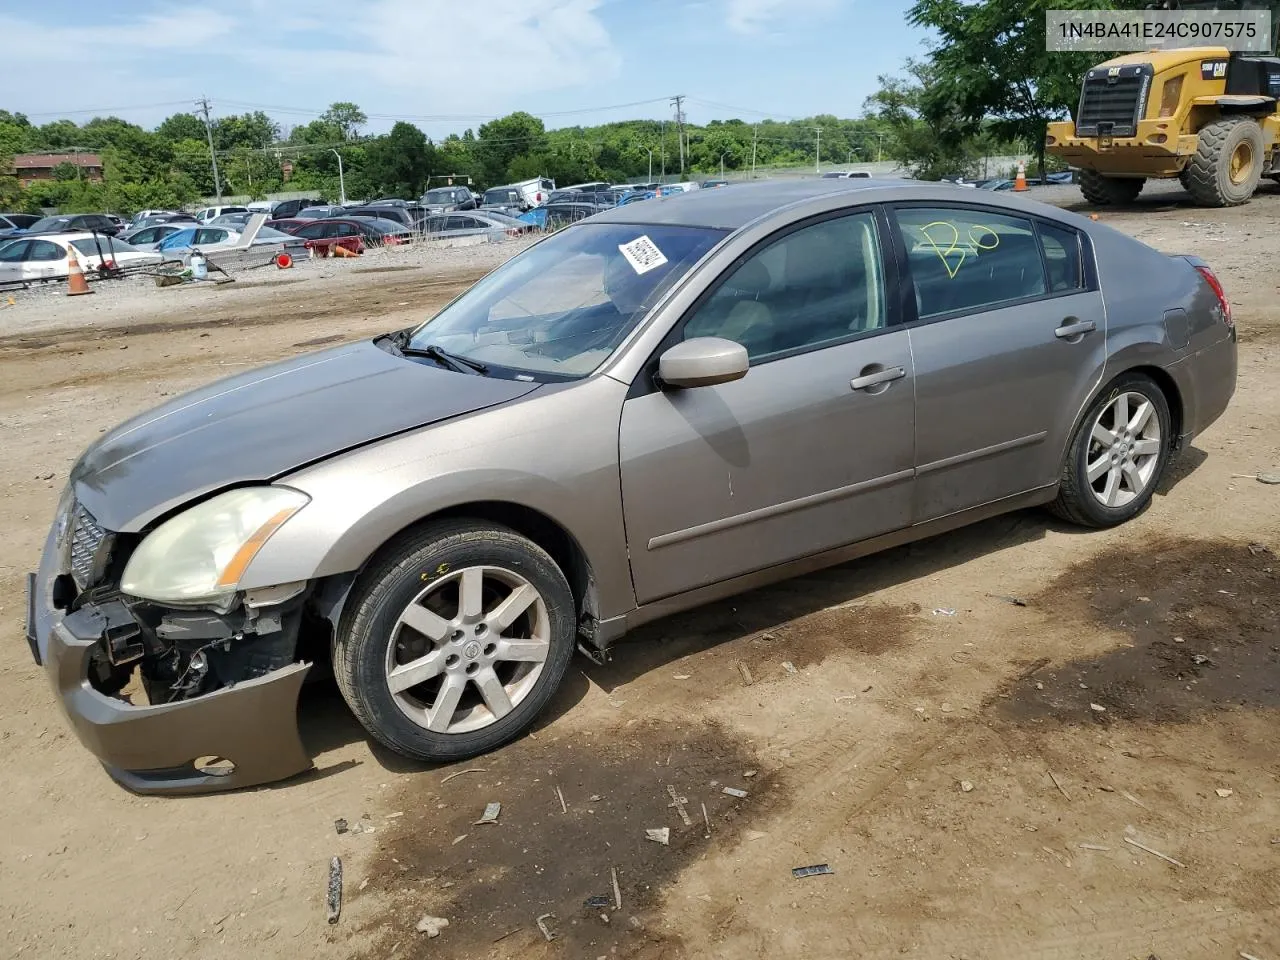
(399, 164)
(346, 117)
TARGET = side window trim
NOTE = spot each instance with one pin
(910, 314)
(894, 317)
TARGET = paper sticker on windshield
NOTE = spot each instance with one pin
(643, 254)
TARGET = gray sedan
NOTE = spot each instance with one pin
(667, 404)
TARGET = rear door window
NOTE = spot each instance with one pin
(45, 251)
(15, 252)
(312, 231)
(966, 259)
(1062, 258)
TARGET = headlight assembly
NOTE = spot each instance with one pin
(199, 556)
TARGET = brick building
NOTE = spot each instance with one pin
(30, 167)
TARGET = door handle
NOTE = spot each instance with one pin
(886, 375)
(1071, 327)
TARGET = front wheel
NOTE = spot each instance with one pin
(1117, 456)
(455, 641)
(1103, 190)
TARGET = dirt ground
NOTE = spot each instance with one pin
(994, 738)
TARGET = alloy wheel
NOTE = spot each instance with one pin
(1124, 449)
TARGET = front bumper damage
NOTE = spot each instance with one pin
(155, 749)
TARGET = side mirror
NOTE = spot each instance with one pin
(703, 362)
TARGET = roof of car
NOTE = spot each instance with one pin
(731, 209)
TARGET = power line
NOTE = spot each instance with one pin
(106, 110)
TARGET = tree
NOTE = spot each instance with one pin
(346, 117)
(181, 126)
(990, 64)
(504, 139)
(399, 163)
(252, 130)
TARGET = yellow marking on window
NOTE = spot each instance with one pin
(980, 237)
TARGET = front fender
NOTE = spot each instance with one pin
(554, 451)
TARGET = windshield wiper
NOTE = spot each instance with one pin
(442, 356)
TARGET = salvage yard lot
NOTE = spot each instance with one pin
(925, 721)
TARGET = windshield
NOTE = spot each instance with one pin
(50, 223)
(501, 196)
(561, 307)
(439, 196)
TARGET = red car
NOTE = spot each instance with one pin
(354, 233)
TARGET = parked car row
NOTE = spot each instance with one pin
(35, 259)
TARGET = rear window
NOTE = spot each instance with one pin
(1062, 258)
(969, 259)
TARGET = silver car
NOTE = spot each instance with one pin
(661, 406)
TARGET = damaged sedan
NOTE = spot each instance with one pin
(663, 405)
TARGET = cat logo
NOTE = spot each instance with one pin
(1113, 72)
(1213, 69)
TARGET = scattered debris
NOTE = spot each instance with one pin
(944, 611)
(660, 835)
(333, 898)
(396, 815)
(1199, 659)
(1155, 853)
(1094, 846)
(746, 674)
(1035, 668)
(748, 774)
(542, 925)
(363, 883)
(1272, 479)
(1058, 783)
(460, 773)
(564, 807)
(594, 798)
(459, 838)
(678, 803)
(707, 821)
(1132, 799)
(1247, 956)
(756, 835)
(507, 934)
(734, 792)
(847, 696)
(790, 667)
(1097, 708)
(681, 676)
(1258, 549)
(1016, 601)
(596, 902)
(340, 825)
(617, 891)
(491, 812)
(432, 926)
(817, 870)
(945, 707)
(966, 786)
(1223, 792)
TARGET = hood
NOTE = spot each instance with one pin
(257, 426)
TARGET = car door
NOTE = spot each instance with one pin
(45, 260)
(13, 256)
(813, 449)
(1008, 343)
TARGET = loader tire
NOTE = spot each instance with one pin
(1104, 191)
(1227, 164)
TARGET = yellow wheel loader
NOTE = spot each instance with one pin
(1202, 114)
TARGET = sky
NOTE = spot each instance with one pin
(449, 66)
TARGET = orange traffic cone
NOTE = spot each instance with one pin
(76, 283)
(1020, 182)
(340, 251)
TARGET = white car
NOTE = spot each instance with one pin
(29, 259)
(210, 213)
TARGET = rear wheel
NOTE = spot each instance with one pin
(1227, 165)
(1103, 190)
(1117, 456)
(455, 641)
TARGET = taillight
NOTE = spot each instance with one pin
(1221, 294)
(539, 196)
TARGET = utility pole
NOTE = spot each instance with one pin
(650, 149)
(677, 101)
(817, 153)
(203, 103)
(755, 132)
(662, 137)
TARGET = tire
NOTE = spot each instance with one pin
(1094, 503)
(1209, 178)
(1104, 190)
(429, 567)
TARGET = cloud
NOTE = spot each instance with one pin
(393, 57)
(757, 16)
